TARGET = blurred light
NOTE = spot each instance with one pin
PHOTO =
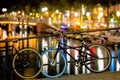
(76, 14)
(13, 12)
(4, 34)
(101, 14)
(67, 13)
(88, 14)
(25, 26)
(68, 24)
(19, 12)
(118, 13)
(112, 20)
(23, 13)
(83, 11)
(20, 26)
(30, 14)
(100, 9)
(4, 9)
(63, 27)
(44, 9)
(57, 11)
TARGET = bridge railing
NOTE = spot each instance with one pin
(41, 41)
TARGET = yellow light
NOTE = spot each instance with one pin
(57, 11)
(17, 22)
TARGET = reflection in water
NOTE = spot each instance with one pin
(118, 60)
(68, 59)
(4, 34)
(45, 59)
(76, 57)
(117, 66)
(100, 62)
(112, 66)
(58, 65)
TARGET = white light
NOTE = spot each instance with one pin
(20, 26)
(13, 34)
(76, 14)
(57, 11)
(4, 34)
(44, 9)
(88, 14)
(45, 57)
(83, 11)
(101, 14)
(4, 9)
(68, 57)
(19, 12)
(118, 13)
(13, 12)
(25, 26)
(67, 14)
(100, 62)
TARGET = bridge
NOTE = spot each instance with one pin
(43, 40)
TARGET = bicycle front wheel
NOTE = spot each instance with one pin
(27, 63)
(98, 58)
(53, 67)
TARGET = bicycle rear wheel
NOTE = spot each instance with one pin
(27, 63)
(98, 58)
(53, 68)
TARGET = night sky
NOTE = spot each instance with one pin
(6, 4)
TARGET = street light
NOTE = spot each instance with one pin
(4, 10)
(118, 15)
(88, 15)
(44, 9)
(57, 11)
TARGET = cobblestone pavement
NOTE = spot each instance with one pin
(90, 76)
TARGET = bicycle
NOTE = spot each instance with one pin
(89, 55)
(21, 61)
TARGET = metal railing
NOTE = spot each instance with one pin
(41, 41)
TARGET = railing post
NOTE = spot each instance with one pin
(9, 30)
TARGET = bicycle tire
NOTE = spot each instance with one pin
(55, 69)
(98, 58)
(27, 60)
